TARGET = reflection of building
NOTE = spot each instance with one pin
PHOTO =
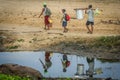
(90, 70)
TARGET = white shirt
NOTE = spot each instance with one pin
(64, 14)
(90, 15)
(44, 13)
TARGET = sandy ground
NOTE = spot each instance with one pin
(21, 27)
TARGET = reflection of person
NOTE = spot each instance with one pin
(90, 71)
(90, 20)
(47, 13)
(65, 63)
(48, 62)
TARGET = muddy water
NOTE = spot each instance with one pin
(60, 65)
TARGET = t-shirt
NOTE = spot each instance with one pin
(90, 15)
(64, 15)
(47, 12)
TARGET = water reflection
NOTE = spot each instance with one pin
(90, 70)
(48, 62)
(60, 65)
(65, 62)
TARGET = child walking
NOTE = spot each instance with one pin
(64, 21)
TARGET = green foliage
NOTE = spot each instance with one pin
(34, 39)
(30, 41)
(57, 79)
(20, 40)
(12, 47)
(68, 79)
(109, 41)
(9, 77)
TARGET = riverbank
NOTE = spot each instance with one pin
(25, 78)
(89, 45)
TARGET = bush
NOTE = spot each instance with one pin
(9, 77)
(109, 41)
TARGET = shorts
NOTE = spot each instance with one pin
(64, 23)
(89, 22)
(46, 20)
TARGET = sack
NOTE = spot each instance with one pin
(67, 17)
(67, 63)
(97, 12)
(48, 12)
(50, 20)
(50, 25)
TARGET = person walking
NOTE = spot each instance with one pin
(64, 20)
(90, 20)
(47, 13)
